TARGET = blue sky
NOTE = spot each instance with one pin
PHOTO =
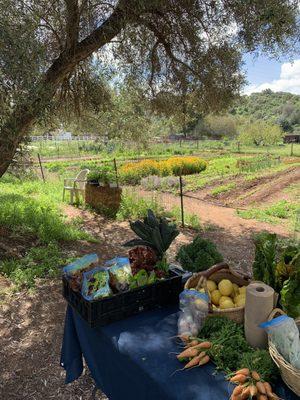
(278, 75)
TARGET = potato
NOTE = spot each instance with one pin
(225, 287)
(242, 290)
(211, 285)
(228, 303)
(215, 297)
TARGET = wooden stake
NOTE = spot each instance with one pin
(181, 200)
(41, 167)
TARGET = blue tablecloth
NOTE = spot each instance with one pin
(134, 359)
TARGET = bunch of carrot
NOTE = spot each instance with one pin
(250, 386)
(195, 352)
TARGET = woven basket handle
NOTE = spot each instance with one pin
(224, 266)
(215, 268)
(274, 313)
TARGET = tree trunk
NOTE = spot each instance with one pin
(33, 106)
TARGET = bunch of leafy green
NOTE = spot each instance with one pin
(142, 278)
(97, 281)
(289, 261)
(230, 350)
(199, 255)
(228, 342)
(260, 361)
(290, 295)
(153, 232)
(264, 266)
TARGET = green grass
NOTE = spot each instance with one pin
(277, 213)
(32, 209)
(223, 188)
(39, 262)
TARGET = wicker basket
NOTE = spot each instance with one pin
(289, 374)
(217, 273)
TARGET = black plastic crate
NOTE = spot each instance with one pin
(122, 305)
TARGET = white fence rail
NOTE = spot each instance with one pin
(46, 138)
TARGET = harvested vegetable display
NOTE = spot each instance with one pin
(264, 266)
(250, 386)
(230, 351)
(74, 271)
(225, 294)
(142, 278)
(149, 251)
(198, 255)
(96, 284)
(120, 273)
(290, 295)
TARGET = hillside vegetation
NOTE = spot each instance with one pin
(278, 107)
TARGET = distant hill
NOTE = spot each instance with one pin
(279, 107)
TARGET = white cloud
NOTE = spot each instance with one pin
(289, 80)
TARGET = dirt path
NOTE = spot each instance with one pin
(221, 217)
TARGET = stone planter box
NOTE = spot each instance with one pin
(104, 199)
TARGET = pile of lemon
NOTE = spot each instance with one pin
(226, 294)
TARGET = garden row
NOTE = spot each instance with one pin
(132, 173)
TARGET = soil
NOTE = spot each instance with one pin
(265, 189)
(31, 325)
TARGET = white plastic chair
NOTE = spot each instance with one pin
(76, 185)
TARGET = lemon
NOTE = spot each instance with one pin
(224, 298)
(228, 303)
(242, 290)
(240, 300)
(225, 287)
(235, 289)
(211, 285)
(215, 297)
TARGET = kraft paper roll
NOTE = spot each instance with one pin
(259, 304)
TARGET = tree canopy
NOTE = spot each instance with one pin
(172, 48)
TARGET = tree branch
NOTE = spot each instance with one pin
(72, 23)
(160, 36)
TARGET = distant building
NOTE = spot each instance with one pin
(290, 138)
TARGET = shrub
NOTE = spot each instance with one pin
(132, 173)
(198, 255)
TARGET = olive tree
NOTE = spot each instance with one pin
(48, 50)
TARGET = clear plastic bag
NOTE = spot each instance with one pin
(120, 273)
(74, 271)
(194, 310)
(96, 284)
(80, 264)
(284, 334)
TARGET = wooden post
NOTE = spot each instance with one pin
(116, 172)
(41, 167)
(181, 201)
(197, 144)
(238, 143)
(180, 142)
(292, 148)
